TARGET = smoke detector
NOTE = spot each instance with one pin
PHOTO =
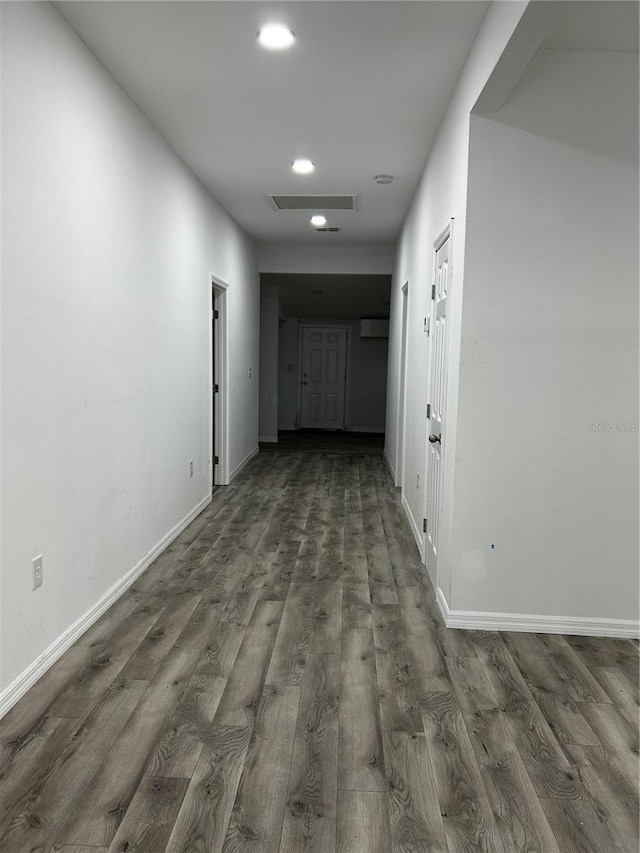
(383, 179)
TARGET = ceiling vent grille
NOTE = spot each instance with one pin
(313, 202)
(330, 228)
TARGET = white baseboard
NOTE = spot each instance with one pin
(387, 459)
(417, 535)
(16, 690)
(244, 462)
(377, 430)
(443, 607)
(528, 623)
(268, 439)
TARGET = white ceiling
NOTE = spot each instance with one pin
(604, 25)
(362, 92)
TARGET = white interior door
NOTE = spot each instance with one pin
(324, 355)
(437, 400)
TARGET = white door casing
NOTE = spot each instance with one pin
(437, 397)
(324, 353)
(402, 399)
(220, 377)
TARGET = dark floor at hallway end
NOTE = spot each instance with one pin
(326, 441)
(280, 681)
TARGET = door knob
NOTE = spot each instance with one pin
(435, 439)
(304, 382)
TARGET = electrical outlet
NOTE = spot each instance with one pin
(249, 373)
(36, 566)
(191, 467)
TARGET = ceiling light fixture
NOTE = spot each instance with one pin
(318, 220)
(276, 36)
(383, 179)
(302, 167)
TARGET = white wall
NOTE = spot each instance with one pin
(365, 400)
(441, 195)
(545, 275)
(323, 259)
(550, 347)
(108, 248)
(288, 379)
(269, 324)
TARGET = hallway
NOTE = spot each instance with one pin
(280, 680)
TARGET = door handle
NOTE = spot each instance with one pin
(435, 439)
(304, 381)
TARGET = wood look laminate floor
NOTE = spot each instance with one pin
(280, 681)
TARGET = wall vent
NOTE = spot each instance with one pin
(330, 228)
(313, 202)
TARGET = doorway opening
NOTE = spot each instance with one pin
(219, 413)
(351, 303)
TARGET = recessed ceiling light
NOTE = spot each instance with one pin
(318, 220)
(302, 167)
(276, 36)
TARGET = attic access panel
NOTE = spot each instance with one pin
(313, 202)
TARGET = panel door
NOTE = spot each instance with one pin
(324, 354)
(437, 396)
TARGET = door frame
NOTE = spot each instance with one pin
(219, 403)
(347, 367)
(443, 236)
(401, 426)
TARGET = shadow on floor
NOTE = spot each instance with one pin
(326, 441)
